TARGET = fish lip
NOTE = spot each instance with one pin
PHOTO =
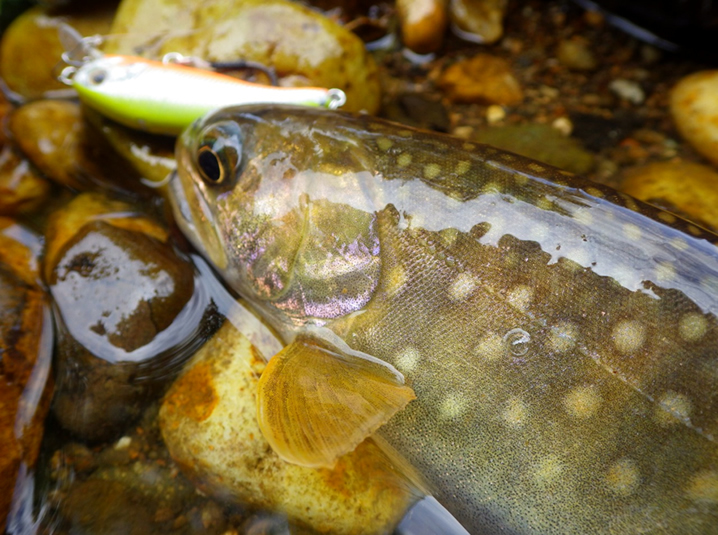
(210, 245)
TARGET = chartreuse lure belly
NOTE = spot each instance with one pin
(165, 98)
(559, 338)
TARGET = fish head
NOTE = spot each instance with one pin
(258, 196)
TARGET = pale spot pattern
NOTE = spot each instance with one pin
(623, 477)
(384, 143)
(462, 167)
(679, 243)
(667, 217)
(395, 280)
(490, 347)
(665, 272)
(673, 407)
(462, 287)
(628, 336)
(403, 159)
(692, 326)
(631, 231)
(432, 170)
(563, 336)
(704, 487)
(407, 360)
(595, 192)
(548, 471)
(583, 216)
(520, 297)
(516, 413)
(582, 402)
(536, 167)
(453, 405)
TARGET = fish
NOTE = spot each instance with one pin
(164, 98)
(541, 348)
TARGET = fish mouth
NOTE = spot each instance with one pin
(196, 220)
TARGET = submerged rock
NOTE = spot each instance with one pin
(25, 357)
(294, 39)
(694, 107)
(479, 21)
(423, 23)
(208, 421)
(127, 310)
(21, 188)
(687, 188)
(484, 79)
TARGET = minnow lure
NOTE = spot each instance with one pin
(165, 97)
(559, 338)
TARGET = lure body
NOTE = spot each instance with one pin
(560, 338)
(165, 98)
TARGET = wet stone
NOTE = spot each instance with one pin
(484, 79)
(21, 189)
(479, 21)
(576, 55)
(423, 23)
(694, 108)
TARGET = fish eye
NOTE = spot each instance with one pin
(219, 152)
(97, 76)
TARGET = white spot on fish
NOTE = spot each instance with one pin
(562, 337)
(520, 297)
(515, 413)
(679, 243)
(432, 170)
(623, 477)
(403, 159)
(407, 360)
(491, 347)
(462, 287)
(582, 402)
(384, 144)
(583, 216)
(548, 470)
(462, 167)
(665, 272)
(692, 326)
(395, 280)
(536, 168)
(628, 336)
(703, 487)
(631, 231)
(673, 408)
(453, 405)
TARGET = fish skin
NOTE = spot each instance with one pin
(561, 338)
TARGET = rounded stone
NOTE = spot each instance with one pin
(694, 107)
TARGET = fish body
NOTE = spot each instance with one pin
(166, 98)
(560, 338)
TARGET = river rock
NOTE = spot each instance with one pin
(301, 44)
(688, 188)
(25, 357)
(30, 49)
(478, 21)
(423, 23)
(694, 107)
(484, 79)
(21, 188)
(126, 309)
(208, 421)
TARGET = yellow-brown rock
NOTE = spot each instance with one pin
(26, 349)
(484, 79)
(694, 106)
(208, 421)
(423, 23)
(30, 49)
(21, 189)
(479, 21)
(688, 188)
(297, 41)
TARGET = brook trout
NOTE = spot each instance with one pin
(559, 338)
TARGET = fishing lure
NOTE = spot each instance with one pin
(164, 97)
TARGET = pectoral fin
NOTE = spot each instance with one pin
(317, 401)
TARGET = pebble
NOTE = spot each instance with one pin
(694, 107)
(483, 79)
(495, 114)
(423, 23)
(478, 21)
(576, 54)
(628, 90)
(691, 189)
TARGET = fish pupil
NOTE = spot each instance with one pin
(210, 166)
(98, 76)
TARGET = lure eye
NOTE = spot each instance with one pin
(97, 76)
(219, 152)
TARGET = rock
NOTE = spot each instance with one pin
(478, 21)
(540, 142)
(127, 313)
(687, 188)
(53, 135)
(628, 90)
(25, 357)
(423, 23)
(484, 79)
(208, 421)
(21, 189)
(576, 55)
(292, 38)
(694, 107)
(418, 110)
(30, 49)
